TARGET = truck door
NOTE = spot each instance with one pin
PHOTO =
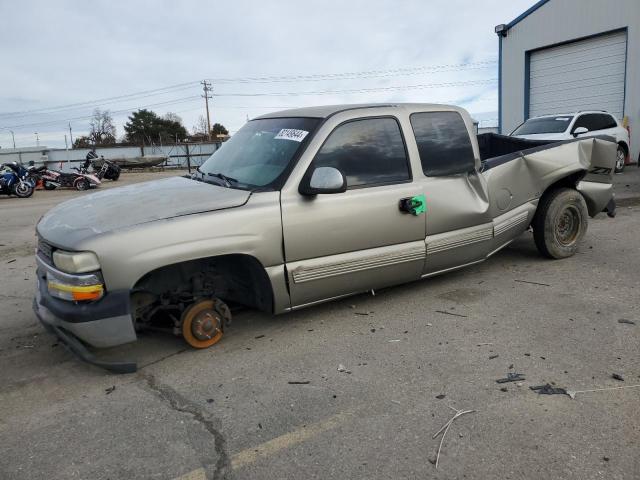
(360, 239)
(459, 227)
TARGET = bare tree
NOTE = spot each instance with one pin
(102, 131)
(172, 117)
(200, 128)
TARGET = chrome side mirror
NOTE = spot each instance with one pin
(323, 180)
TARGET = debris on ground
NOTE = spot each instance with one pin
(107, 391)
(483, 344)
(373, 330)
(445, 429)
(617, 376)
(259, 336)
(533, 283)
(210, 400)
(491, 357)
(624, 320)
(441, 396)
(504, 389)
(11, 261)
(361, 313)
(343, 369)
(547, 389)
(451, 313)
(299, 382)
(394, 340)
(511, 377)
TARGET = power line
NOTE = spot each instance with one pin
(261, 79)
(486, 81)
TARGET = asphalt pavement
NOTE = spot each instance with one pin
(350, 389)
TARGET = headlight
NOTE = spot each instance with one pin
(76, 262)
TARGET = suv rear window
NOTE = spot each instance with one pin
(595, 121)
(443, 143)
(368, 152)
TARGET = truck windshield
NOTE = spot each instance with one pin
(259, 155)
(544, 125)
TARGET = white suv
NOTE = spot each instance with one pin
(580, 124)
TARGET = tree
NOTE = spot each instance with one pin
(200, 128)
(172, 117)
(218, 129)
(83, 142)
(146, 126)
(102, 131)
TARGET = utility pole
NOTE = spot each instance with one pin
(13, 136)
(70, 135)
(37, 139)
(206, 87)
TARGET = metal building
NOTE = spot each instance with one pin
(563, 56)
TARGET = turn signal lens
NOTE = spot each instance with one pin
(74, 292)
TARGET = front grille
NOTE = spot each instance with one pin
(45, 249)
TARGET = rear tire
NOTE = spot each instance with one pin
(81, 184)
(560, 223)
(621, 155)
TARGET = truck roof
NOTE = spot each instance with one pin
(326, 111)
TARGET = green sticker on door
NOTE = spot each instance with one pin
(418, 204)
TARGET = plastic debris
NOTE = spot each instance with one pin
(511, 377)
(107, 391)
(491, 357)
(343, 369)
(451, 313)
(441, 396)
(624, 320)
(547, 389)
(299, 382)
(445, 429)
(533, 283)
(617, 376)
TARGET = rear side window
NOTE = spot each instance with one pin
(595, 121)
(443, 143)
(368, 152)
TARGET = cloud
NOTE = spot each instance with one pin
(57, 53)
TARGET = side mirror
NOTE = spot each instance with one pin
(580, 131)
(323, 180)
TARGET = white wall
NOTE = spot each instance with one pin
(559, 21)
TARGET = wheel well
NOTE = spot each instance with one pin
(570, 181)
(625, 147)
(234, 278)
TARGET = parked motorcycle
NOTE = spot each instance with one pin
(15, 180)
(52, 179)
(102, 169)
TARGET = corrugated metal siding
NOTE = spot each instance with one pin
(583, 75)
(560, 21)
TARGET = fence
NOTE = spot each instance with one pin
(180, 155)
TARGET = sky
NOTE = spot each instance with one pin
(61, 60)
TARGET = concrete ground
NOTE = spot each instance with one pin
(412, 354)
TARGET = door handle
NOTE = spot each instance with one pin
(414, 205)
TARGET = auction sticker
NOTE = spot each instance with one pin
(291, 134)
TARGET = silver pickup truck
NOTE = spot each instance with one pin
(305, 206)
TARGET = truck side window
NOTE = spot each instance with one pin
(368, 152)
(443, 143)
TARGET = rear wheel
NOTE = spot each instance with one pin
(81, 184)
(620, 157)
(560, 223)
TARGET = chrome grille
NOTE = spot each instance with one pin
(45, 249)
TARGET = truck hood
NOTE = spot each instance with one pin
(101, 212)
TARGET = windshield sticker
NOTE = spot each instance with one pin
(291, 134)
(562, 119)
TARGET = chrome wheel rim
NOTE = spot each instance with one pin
(619, 159)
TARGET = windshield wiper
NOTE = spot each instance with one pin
(227, 180)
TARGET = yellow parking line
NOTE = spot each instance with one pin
(273, 446)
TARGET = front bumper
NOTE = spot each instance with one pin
(104, 323)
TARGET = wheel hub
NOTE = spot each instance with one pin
(568, 225)
(206, 325)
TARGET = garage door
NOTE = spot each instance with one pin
(582, 75)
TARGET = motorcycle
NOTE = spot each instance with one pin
(52, 179)
(15, 180)
(105, 169)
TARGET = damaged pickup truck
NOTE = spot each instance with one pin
(304, 206)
